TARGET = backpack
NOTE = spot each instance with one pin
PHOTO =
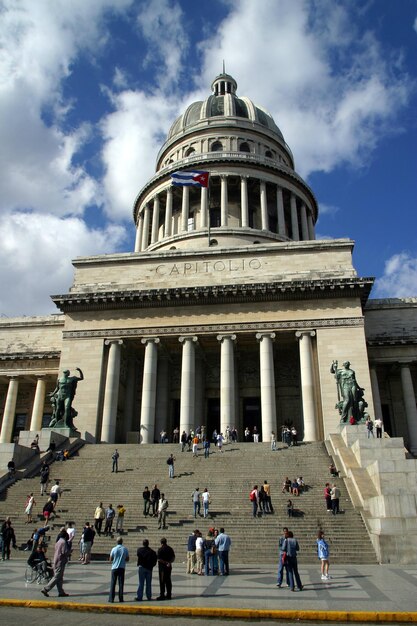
(169, 461)
(252, 495)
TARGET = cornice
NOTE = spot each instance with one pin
(216, 294)
(210, 329)
(30, 356)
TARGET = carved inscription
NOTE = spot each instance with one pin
(208, 267)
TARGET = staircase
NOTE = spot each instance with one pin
(87, 479)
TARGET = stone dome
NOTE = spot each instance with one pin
(224, 103)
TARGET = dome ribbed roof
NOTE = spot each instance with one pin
(223, 103)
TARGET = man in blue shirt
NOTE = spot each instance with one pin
(118, 557)
(223, 543)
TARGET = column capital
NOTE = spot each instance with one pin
(301, 333)
(108, 342)
(146, 340)
(224, 176)
(185, 338)
(260, 336)
(226, 336)
(244, 177)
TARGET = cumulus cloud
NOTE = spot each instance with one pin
(399, 279)
(35, 257)
(327, 84)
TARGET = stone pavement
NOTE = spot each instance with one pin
(364, 588)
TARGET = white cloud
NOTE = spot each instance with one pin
(35, 258)
(399, 279)
(328, 86)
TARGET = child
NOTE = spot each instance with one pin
(290, 508)
(323, 554)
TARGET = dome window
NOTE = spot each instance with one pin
(217, 146)
(269, 154)
(244, 147)
(189, 152)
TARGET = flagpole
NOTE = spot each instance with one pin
(208, 211)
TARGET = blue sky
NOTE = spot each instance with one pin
(88, 91)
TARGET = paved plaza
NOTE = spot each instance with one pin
(351, 588)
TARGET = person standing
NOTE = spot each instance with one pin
(206, 446)
(183, 440)
(120, 518)
(162, 511)
(199, 553)
(223, 543)
(110, 513)
(8, 538)
(273, 440)
(56, 492)
(220, 440)
(61, 556)
(328, 497)
(119, 556)
(254, 498)
(369, 427)
(99, 516)
(195, 446)
(155, 496)
(255, 434)
(170, 461)
(115, 459)
(378, 426)
(323, 554)
(44, 473)
(191, 556)
(87, 543)
(206, 501)
(147, 559)
(335, 499)
(166, 557)
(290, 548)
(268, 501)
(281, 563)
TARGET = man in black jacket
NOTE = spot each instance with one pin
(147, 560)
(166, 557)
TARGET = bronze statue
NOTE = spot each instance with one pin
(61, 400)
(351, 403)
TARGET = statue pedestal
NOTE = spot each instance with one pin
(64, 431)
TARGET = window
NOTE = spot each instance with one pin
(244, 147)
(217, 146)
(268, 154)
(189, 152)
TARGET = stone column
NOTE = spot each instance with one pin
(311, 230)
(227, 382)
(187, 402)
(38, 404)
(375, 392)
(130, 394)
(280, 212)
(155, 220)
(147, 413)
(294, 219)
(307, 385)
(139, 234)
(162, 397)
(244, 210)
(304, 226)
(9, 413)
(185, 208)
(168, 214)
(145, 233)
(268, 403)
(264, 205)
(204, 216)
(410, 406)
(223, 200)
(111, 391)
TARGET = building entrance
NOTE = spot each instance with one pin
(213, 416)
(252, 415)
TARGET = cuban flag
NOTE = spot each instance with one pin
(190, 179)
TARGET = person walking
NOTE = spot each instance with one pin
(328, 497)
(196, 496)
(273, 440)
(281, 561)
(335, 498)
(162, 511)
(378, 427)
(290, 548)
(191, 556)
(8, 538)
(170, 462)
(87, 543)
(323, 554)
(206, 501)
(155, 497)
(223, 544)
(61, 556)
(146, 501)
(30, 503)
(369, 427)
(110, 514)
(147, 559)
(115, 458)
(166, 557)
(119, 556)
(254, 498)
(120, 518)
(44, 477)
(206, 446)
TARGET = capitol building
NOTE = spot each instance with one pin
(229, 311)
